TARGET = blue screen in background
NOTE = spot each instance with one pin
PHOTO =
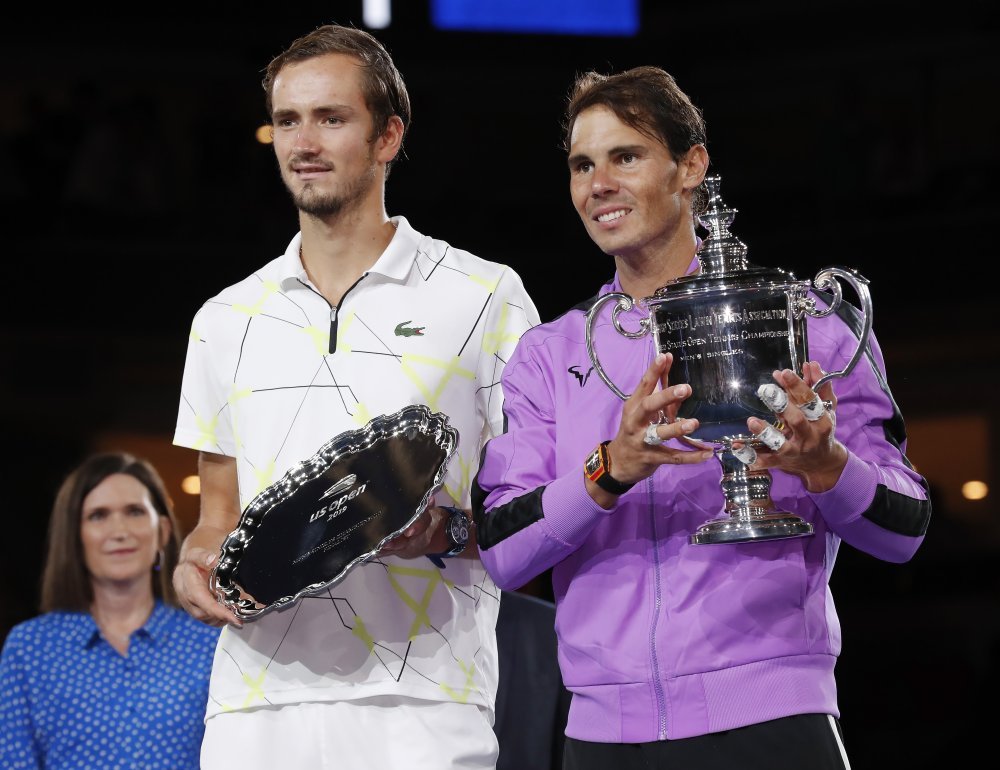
(554, 17)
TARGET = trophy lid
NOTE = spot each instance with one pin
(720, 251)
(722, 256)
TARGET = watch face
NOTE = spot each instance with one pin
(593, 462)
(458, 528)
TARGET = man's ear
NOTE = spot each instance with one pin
(388, 144)
(695, 166)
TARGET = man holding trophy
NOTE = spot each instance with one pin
(363, 321)
(685, 644)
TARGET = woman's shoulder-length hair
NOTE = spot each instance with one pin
(65, 581)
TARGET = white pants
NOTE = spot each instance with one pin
(381, 733)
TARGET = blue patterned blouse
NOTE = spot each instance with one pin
(68, 699)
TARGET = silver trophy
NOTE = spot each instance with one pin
(729, 327)
(334, 511)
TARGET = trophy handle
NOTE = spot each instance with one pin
(826, 279)
(625, 303)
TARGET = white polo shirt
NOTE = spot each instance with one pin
(264, 382)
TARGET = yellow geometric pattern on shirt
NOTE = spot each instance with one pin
(489, 285)
(342, 326)
(450, 367)
(264, 476)
(255, 691)
(268, 288)
(237, 394)
(493, 341)
(465, 477)
(361, 632)
(361, 414)
(256, 686)
(320, 339)
(207, 430)
(462, 696)
(434, 579)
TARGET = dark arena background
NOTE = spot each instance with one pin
(863, 134)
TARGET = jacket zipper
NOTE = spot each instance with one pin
(657, 605)
(661, 701)
(334, 310)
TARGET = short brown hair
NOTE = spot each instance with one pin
(65, 581)
(382, 86)
(649, 100)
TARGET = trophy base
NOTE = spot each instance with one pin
(748, 529)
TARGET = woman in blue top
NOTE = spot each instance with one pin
(112, 674)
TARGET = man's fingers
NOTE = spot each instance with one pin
(689, 457)
(413, 540)
(202, 558)
(814, 408)
(191, 582)
(746, 454)
(814, 373)
(772, 438)
(811, 373)
(665, 372)
(773, 396)
(419, 525)
(647, 384)
(811, 405)
(664, 403)
(768, 435)
(656, 433)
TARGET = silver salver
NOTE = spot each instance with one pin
(334, 511)
(729, 326)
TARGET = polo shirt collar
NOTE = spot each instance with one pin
(394, 263)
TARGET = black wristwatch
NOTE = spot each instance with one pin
(456, 527)
(597, 468)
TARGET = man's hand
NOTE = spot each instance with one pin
(425, 535)
(649, 418)
(198, 558)
(220, 514)
(810, 449)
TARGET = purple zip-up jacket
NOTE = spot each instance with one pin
(659, 638)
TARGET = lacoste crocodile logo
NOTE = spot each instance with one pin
(402, 330)
(575, 371)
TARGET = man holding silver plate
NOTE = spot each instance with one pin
(695, 622)
(339, 398)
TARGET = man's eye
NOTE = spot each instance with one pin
(584, 166)
(628, 158)
(332, 121)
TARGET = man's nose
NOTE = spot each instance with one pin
(305, 140)
(603, 181)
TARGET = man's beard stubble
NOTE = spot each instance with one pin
(332, 204)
